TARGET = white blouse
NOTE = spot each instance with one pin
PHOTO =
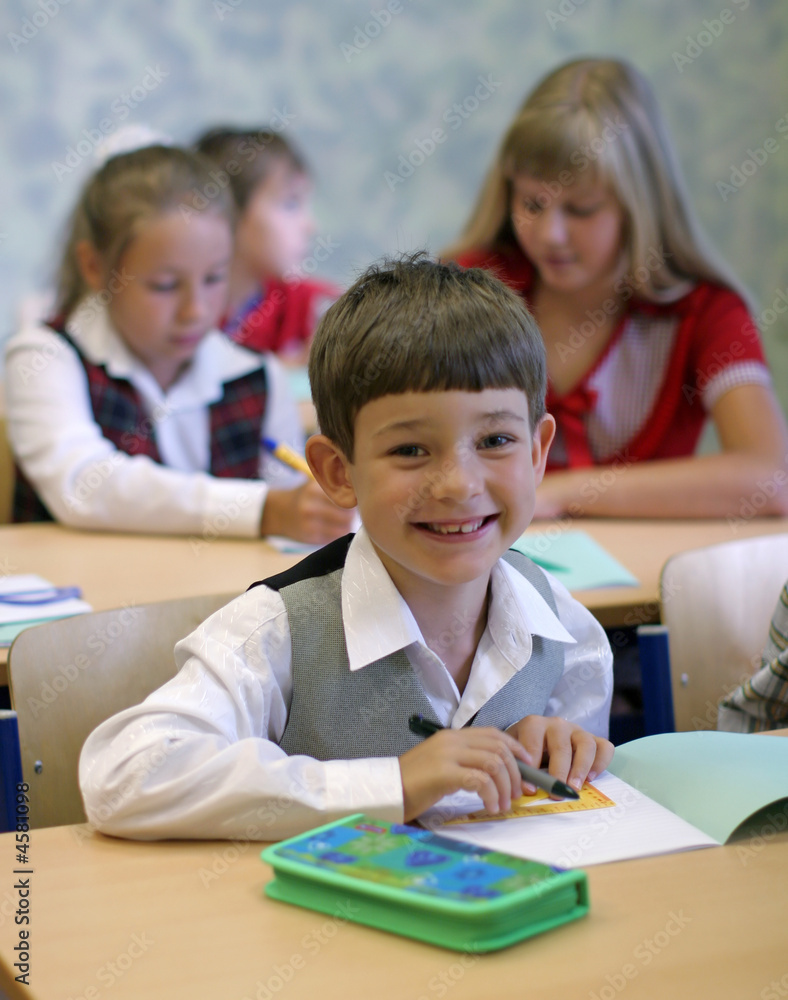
(86, 482)
(200, 756)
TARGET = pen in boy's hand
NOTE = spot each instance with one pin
(426, 727)
(287, 455)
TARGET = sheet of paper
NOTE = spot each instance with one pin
(714, 780)
(574, 558)
(298, 380)
(635, 827)
(16, 617)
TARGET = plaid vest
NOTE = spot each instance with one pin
(339, 714)
(235, 423)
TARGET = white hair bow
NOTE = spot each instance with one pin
(126, 140)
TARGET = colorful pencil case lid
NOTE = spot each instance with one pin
(411, 881)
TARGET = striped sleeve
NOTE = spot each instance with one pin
(761, 703)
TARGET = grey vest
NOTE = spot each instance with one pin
(336, 714)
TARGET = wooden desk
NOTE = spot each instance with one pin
(643, 546)
(114, 569)
(115, 920)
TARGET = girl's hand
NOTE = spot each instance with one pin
(305, 514)
(476, 758)
(559, 493)
(571, 754)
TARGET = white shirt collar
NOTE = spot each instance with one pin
(378, 622)
(216, 361)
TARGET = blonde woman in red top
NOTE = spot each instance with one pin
(647, 334)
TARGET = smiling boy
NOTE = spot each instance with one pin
(292, 704)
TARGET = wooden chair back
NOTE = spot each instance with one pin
(67, 676)
(717, 603)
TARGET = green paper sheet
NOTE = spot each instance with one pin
(713, 780)
(574, 558)
(298, 380)
(10, 631)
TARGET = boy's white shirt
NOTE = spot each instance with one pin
(86, 482)
(199, 757)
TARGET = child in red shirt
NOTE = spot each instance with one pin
(647, 335)
(272, 305)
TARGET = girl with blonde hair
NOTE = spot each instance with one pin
(648, 335)
(129, 410)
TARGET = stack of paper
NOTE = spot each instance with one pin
(27, 599)
(574, 558)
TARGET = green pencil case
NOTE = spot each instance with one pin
(413, 882)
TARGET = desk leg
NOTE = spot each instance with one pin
(10, 769)
(655, 672)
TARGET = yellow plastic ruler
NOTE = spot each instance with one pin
(541, 804)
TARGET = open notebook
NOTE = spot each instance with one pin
(671, 792)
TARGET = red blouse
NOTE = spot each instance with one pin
(284, 314)
(650, 392)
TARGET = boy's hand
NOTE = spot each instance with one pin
(478, 759)
(571, 754)
(305, 514)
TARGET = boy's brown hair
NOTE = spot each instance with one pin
(414, 325)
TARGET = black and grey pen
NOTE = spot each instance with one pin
(426, 727)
